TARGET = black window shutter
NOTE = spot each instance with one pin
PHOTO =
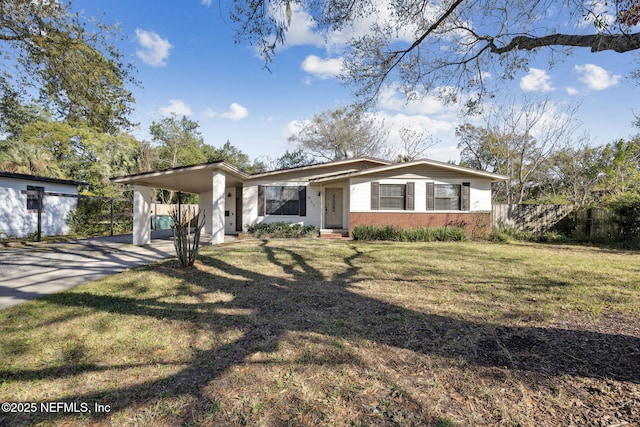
(430, 196)
(375, 196)
(465, 199)
(410, 204)
(261, 191)
(302, 197)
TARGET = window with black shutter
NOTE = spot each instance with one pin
(375, 196)
(392, 196)
(282, 200)
(430, 196)
(465, 196)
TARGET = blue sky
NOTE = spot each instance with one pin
(188, 64)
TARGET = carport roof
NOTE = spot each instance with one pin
(188, 179)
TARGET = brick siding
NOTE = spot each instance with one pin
(475, 224)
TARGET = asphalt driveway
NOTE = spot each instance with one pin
(33, 271)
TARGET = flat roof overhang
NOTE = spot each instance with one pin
(194, 179)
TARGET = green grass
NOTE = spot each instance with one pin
(310, 332)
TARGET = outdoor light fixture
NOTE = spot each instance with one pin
(229, 195)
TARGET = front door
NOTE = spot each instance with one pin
(333, 208)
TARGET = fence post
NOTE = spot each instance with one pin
(40, 206)
(111, 219)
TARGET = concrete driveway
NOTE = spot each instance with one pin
(38, 270)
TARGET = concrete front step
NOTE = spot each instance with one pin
(334, 234)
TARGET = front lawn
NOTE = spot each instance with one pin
(312, 332)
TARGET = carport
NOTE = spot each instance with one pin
(218, 185)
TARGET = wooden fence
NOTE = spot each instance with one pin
(187, 212)
(595, 223)
(533, 218)
(160, 209)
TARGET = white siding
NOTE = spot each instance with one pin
(16, 221)
(360, 187)
(230, 208)
(250, 204)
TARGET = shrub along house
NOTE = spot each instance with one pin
(334, 196)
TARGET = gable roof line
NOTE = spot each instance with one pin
(320, 165)
(393, 166)
(351, 172)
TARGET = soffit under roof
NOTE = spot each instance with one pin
(190, 179)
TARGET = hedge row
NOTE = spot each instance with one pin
(282, 230)
(397, 234)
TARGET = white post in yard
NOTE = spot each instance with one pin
(142, 198)
(217, 208)
(205, 202)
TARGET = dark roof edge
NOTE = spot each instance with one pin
(42, 179)
(320, 165)
(224, 163)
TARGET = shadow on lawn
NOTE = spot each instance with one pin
(308, 302)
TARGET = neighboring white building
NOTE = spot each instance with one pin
(334, 196)
(19, 200)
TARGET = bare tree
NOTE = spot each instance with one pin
(414, 144)
(451, 43)
(342, 134)
(516, 139)
(572, 173)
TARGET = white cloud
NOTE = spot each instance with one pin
(595, 77)
(419, 123)
(536, 81)
(322, 68)
(444, 153)
(379, 14)
(390, 98)
(302, 30)
(154, 50)
(236, 112)
(206, 2)
(572, 91)
(437, 128)
(294, 127)
(600, 14)
(177, 107)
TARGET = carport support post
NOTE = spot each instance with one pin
(142, 198)
(217, 208)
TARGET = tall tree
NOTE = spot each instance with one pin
(341, 134)
(30, 159)
(517, 139)
(450, 43)
(177, 142)
(76, 152)
(293, 159)
(236, 157)
(620, 167)
(63, 61)
(570, 175)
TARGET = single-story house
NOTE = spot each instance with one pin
(334, 196)
(29, 202)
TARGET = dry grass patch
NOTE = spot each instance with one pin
(311, 332)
